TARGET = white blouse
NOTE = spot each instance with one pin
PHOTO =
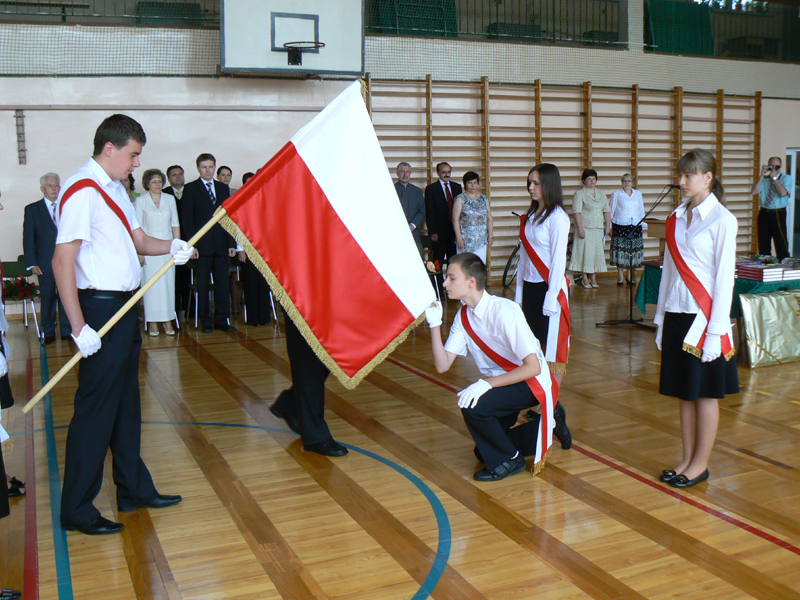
(627, 210)
(549, 239)
(157, 221)
(708, 247)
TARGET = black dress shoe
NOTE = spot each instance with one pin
(49, 340)
(16, 488)
(97, 526)
(207, 330)
(291, 420)
(8, 594)
(327, 448)
(668, 475)
(508, 468)
(681, 481)
(561, 430)
(160, 501)
(224, 327)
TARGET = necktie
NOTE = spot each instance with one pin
(449, 198)
(211, 194)
(178, 193)
(770, 193)
(55, 219)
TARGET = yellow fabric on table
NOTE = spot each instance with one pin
(772, 327)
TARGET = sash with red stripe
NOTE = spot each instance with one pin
(548, 405)
(84, 183)
(562, 351)
(698, 291)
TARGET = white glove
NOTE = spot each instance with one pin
(181, 252)
(468, 397)
(88, 341)
(658, 336)
(434, 314)
(712, 348)
(547, 312)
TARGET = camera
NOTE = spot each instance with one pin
(769, 167)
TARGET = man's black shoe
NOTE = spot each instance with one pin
(97, 526)
(224, 327)
(49, 340)
(291, 420)
(9, 594)
(561, 430)
(508, 468)
(327, 448)
(160, 501)
(207, 330)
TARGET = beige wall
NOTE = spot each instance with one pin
(780, 127)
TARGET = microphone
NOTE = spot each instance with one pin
(672, 186)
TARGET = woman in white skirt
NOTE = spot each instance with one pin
(592, 223)
(158, 215)
(693, 313)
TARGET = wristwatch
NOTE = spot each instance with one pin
(775, 178)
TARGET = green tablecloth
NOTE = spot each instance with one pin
(647, 292)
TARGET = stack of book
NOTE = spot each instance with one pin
(766, 273)
(790, 274)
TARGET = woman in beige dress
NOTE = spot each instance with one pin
(592, 224)
(158, 215)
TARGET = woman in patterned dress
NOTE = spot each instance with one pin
(472, 219)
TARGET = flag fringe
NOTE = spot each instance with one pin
(538, 466)
(291, 310)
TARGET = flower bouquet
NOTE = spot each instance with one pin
(19, 289)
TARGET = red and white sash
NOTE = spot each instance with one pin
(561, 351)
(84, 183)
(543, 386)
(695, 338)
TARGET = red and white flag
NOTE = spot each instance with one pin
(322, 222)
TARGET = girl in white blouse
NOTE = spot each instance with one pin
(692, 315)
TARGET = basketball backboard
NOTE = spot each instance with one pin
(254, 33)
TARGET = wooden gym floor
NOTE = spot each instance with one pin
(400, 517)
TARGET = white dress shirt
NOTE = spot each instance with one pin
(106, 259)
(708, 247)
(549, 240)
(500, 323)
(627, 210)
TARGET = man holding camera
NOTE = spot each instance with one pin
(773, 187)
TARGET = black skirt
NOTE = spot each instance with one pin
(532, 302)
(683, 375)
(626, 242)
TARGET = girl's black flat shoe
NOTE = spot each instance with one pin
(668, 475)
(681, 481)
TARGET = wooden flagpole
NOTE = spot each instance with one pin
(218, 214)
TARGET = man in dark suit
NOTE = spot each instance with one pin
(200, 199)
(439, 198)
(39, 231)
(411, 200)
(176, 182)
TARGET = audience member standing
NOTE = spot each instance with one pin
(439, 199)
(158, 216)
(201, 198)
(224, 175)
(773, 188)
(39, 231)
(411, 200)
(592, 224)
(627, 246)
(693, 313)
(176, 180)
(472, 221)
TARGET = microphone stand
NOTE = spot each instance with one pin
(630, 320)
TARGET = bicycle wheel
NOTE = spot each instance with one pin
(510, 272)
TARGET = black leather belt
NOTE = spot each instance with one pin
(773, 209)
(107, 294)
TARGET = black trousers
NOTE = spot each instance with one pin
(203, 268)
(182, 279)
(442, 250)
(772, 226)
(256, 295)
(490, 422)
(305, 400)
(47, 289)
(108, 415)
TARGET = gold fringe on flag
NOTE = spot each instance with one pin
(695, 351)
(291, 310)
(537, 467)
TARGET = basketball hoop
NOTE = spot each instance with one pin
(296, 49)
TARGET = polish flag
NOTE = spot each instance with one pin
(322, 222)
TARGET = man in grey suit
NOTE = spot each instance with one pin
(39, 231)
(412, 201)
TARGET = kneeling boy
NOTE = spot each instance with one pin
(494, 331)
